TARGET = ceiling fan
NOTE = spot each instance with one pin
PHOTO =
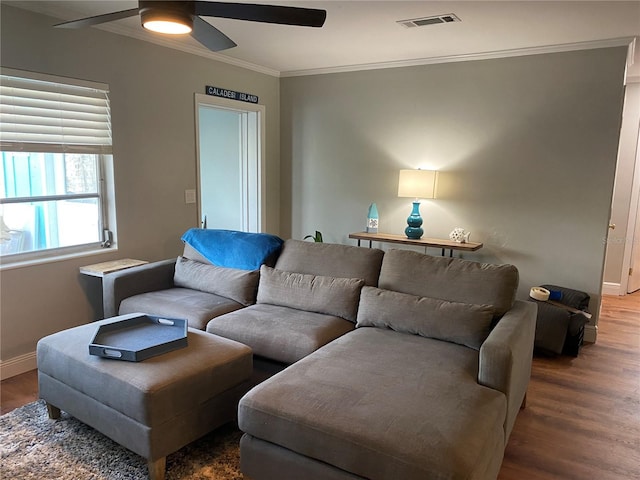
(181, 17)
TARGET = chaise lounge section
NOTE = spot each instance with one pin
(425, 387)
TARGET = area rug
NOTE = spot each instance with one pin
(34, 447)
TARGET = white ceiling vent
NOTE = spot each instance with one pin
(434, 20)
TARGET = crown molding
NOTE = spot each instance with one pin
(203, 52)
(519, 52)
(633, 79)
(194, 50)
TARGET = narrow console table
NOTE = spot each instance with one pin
(421, 242)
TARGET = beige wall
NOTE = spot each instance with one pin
(152, 103)
(526, 148)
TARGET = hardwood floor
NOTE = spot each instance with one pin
(582, 419)
(17, 391)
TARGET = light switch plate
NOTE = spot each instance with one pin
(189, 196)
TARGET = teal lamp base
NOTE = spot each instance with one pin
(414, 222)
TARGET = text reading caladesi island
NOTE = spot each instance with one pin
(231, 94)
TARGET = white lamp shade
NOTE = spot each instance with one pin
(417, 183)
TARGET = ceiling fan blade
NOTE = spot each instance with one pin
(305, 17)
(98, 19)
(210, 36)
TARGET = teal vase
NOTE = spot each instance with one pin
(372, 219)
(414, 222)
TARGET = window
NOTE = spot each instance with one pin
(55, 152)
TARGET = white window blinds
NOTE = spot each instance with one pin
(43, 115)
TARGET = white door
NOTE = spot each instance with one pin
(230, 155)
(633, 227)
(634, 271)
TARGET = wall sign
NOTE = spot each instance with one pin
(231, 94)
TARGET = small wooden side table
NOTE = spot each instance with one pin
(421, 242)
(100, 270)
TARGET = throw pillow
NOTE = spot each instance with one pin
(238, 285)
(460, 323)
(313, 293)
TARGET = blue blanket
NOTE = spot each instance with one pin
(233, 249)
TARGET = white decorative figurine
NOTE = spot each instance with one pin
(459, 235)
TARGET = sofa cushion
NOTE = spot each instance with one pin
(233, 283)
(461, 323)
(381, 404)
(450, 279)
(314, 293)
(331, 260)
(279, 333)
(192, 305)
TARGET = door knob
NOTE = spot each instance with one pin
(612, 226)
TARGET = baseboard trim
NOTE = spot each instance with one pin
(17, 365)
(590, 333)
(609, 288)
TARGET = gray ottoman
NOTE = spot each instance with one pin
(153, 407)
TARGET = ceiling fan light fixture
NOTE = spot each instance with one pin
(179, 17)
(169, 22)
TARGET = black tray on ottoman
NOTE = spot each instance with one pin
(138, 338)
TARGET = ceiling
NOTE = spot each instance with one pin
(360, 34)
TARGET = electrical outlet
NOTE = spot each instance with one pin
(189, 196)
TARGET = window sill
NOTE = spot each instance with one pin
(9, 265)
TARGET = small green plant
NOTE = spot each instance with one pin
(316, 238)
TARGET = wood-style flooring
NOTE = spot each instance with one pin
(582, 419)
(17, 391)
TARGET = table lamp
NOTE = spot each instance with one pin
(417, 184)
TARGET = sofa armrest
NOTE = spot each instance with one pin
(133, 281)
(506, 356)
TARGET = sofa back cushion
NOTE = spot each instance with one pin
(235, 284)
(331, 260)
(450, 279)
(455, 322)
(313, 293)
(192, 254)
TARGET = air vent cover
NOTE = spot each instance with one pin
(424, 21)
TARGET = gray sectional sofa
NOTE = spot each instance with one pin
(367, 364)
